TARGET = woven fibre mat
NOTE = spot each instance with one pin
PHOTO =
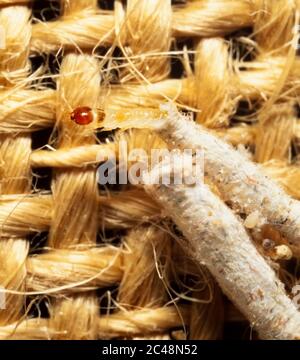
(80, 260)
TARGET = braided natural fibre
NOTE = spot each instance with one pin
(81, 260)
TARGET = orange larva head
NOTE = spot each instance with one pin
(82, 115)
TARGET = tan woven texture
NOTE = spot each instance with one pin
(108, 264)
